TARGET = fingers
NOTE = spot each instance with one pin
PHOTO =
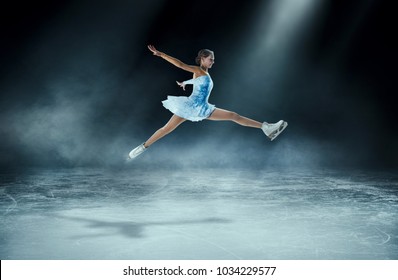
(152, 48)
(181, 85)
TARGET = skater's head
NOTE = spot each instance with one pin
(205, 58)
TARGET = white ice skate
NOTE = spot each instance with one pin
(272, 130)
(137, 151)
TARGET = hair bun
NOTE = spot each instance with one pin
(203, 53)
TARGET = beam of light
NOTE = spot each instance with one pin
(277, 27)
(282, 24)
(270, 44)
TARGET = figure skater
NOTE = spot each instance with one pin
(196, 107)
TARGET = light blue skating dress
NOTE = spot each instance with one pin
(196, 106)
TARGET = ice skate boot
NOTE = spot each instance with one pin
(137, 151)
(272, 130)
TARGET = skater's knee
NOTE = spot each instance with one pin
(166, 129)
(234, 116)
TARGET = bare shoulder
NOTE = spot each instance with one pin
(199, 72)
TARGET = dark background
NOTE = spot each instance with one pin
(78, 86)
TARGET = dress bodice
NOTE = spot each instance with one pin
(196, 106)
(202, 87)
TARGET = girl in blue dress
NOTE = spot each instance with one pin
(196, 106)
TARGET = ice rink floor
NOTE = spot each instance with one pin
(198, 214)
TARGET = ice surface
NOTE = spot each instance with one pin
(198, 214)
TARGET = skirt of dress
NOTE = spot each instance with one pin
(188, 108)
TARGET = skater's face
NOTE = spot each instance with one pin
(208, 61)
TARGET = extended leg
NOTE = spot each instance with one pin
(224, 115)
(272, 130)
(172, 124)
(169, 127)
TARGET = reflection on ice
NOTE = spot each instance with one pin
(198, 214)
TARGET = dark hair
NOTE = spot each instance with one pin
(203, 53)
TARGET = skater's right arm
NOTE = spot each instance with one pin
(176, 62)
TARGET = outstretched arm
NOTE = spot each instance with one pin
(174, 61)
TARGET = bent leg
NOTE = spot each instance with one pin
(224, 115)
(172, 124)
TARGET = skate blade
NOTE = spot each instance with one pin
(279, 131)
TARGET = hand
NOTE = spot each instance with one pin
(181, 85)
(154, 50)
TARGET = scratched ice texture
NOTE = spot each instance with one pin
(198, 214)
